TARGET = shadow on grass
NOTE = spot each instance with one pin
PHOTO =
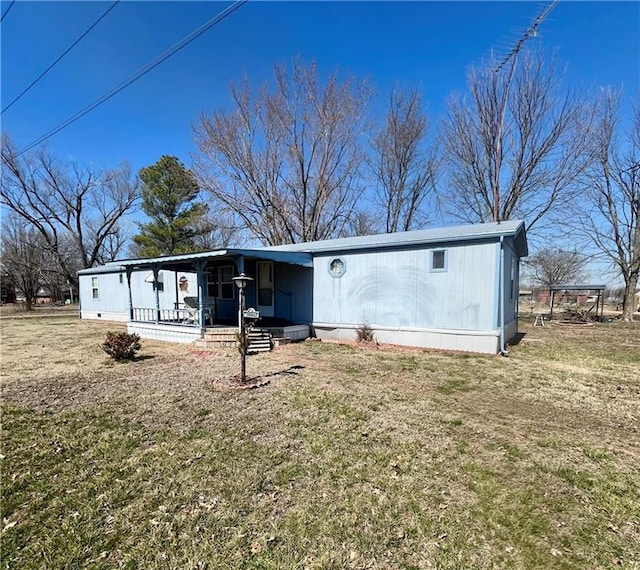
(515, 341)
(142, 357)
(292, 370)
(251, 382)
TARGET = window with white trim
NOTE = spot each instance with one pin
(439, 260)
(95, 292)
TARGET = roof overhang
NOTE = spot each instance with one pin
(588, 287)
(188, 261)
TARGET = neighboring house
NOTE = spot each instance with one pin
(451, 288)
(7, 290)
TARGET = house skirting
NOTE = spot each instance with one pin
(167, 333)
(486, 342)
(510, 330)
(104, 316)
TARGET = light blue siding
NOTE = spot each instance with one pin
(111, 303)
(113, 297)
(398, 289)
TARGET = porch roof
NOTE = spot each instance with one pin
(184, 262)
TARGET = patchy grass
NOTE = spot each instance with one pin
(350, 458)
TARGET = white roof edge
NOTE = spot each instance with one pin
(414, 237)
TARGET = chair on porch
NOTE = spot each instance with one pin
(191, 306)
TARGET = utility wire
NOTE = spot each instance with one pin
(137, 75)
(7, 11)
(74, 44)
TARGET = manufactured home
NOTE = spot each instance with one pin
(452, 288)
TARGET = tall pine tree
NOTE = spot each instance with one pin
(169, 194)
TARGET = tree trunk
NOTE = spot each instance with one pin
(629, 303)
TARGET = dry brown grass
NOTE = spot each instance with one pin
(350, 457)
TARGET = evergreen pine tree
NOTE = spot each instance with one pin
(169, 193)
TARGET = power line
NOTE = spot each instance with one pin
(74, 44)
(7, 10)
(137, 75)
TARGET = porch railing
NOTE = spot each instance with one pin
(187, 317)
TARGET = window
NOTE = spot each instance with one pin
(121, 278)
(220, 282)
(337, 267)
(226, 282)
(513, 279)
(94, 288)
(439, 260)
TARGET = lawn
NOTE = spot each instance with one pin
(351, 457)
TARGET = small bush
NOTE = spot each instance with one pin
(121, 346)
(364, 333)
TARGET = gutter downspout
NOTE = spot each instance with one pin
(503, 349)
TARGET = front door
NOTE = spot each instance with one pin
(264, 270)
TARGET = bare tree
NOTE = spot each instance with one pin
(513, 145)
(405, 172)
(286, 161)
(612, 189)
(218, 230)
(362, 222)
(23, 257)
(76, 211)
(553, 266)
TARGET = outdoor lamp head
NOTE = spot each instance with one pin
(241, 281)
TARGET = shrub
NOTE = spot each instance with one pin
(121, 346)
(364, 333)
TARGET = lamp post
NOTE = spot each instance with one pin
(241, 281)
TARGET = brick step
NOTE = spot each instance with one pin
(259, 340)
(204, 343)
(221, 337)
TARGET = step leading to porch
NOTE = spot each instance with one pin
(259, 339)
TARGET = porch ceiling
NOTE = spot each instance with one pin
(187, 261)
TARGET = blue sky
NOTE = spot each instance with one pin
(426, 43)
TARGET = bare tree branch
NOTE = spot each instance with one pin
(611, 186)
(405, 172)
(552, 266)
(286, 162)
(512, 146)
(76, 210)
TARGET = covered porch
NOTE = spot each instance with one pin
(183, 297)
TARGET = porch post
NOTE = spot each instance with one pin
(200, 266)
(156, 272)
(129, 271)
